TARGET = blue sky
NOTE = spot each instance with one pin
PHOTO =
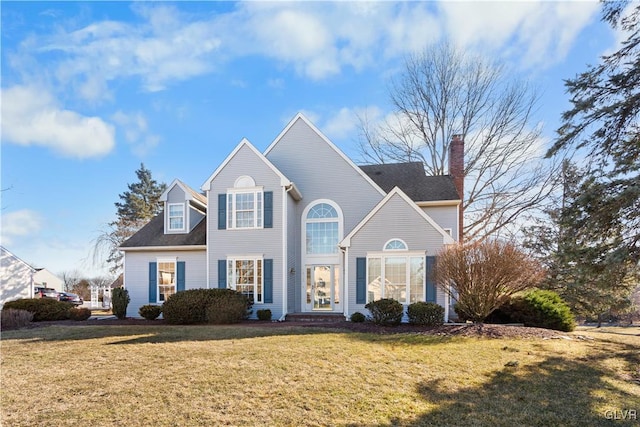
(90, 90)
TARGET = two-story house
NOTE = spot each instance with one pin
(300, 228)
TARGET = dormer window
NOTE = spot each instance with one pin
(176, 217)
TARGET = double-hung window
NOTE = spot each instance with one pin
(245, 203)
(396, 273)
(245, 275)
(176, 216)
(166, 279)
(244, 209)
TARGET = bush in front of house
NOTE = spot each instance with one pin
(15, 319)
(79, 313)
(119, 302)
(357, 317)
(150, 311)
(264, 314)
(425, 314)
(537, 308)
(228, 306)
(385, 312)
(42, 308)
(193, 306)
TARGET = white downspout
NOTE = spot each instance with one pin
(285, 258)
(345, 281)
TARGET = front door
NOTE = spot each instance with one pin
(323, 288)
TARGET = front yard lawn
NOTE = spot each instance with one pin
(253, 375)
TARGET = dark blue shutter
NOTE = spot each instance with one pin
(153, 282)
(181, 276)
(222, 211)
(361, 280)
(431, 284)
(268, 281)
(222, 273)
(268, 209)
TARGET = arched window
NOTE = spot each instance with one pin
(244, 204)
(322, 229)
(395, 245)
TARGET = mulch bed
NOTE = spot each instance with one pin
(462, 330)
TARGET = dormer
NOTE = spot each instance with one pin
(184, 208)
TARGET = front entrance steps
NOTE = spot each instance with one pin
(315, 317)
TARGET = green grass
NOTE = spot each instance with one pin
(253, 375)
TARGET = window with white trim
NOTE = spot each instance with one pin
(176, 216)
(245, 276)
(166, 279)
(396, 273)
(245, 204)
(322, 229)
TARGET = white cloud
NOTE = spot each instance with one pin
(31, 116)
(535, 33)
(136, 132)
(19, 224)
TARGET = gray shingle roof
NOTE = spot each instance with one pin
(152, 234)
(412, 180)
(198, 196)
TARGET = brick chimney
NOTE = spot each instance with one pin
(456, 170)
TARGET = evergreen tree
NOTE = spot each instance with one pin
(604, 124)
(589, 268)
(136, 207)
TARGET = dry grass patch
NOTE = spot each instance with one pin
(252, 375)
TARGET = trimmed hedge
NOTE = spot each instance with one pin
(193, 306)
(385, 312)
(42, 308)
(425, 314)
(79, 313)
(150, 311)
(358, 317)
(264, 314)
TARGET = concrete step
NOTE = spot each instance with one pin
(315, 317)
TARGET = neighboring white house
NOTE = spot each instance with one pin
(300, 228)
(18, 279)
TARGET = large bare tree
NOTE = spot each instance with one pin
(444, 91)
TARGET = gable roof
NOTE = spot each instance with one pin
(284, 181)
(190, 193)
(302, 117)
(152, 235)
(413, 181)
(446, 238)
(8, 253)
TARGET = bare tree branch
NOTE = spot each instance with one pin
(443, 92)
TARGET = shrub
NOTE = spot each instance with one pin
(358, 317)
(228, 307)
(462, 315)
(150, 311)
(549, 311)
(119, 302)
(42, 308)
(15, 319)
(264, 314)
(192, 306)
(425, 314)
(79, 313)
(538, 308)
(386, 312)
(483, 275)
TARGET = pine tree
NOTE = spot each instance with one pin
(136, 207)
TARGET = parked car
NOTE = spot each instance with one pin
(39, 292)
(72, 298)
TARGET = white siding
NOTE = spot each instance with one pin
(44, 276)
(16, 278)
(136, 273)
